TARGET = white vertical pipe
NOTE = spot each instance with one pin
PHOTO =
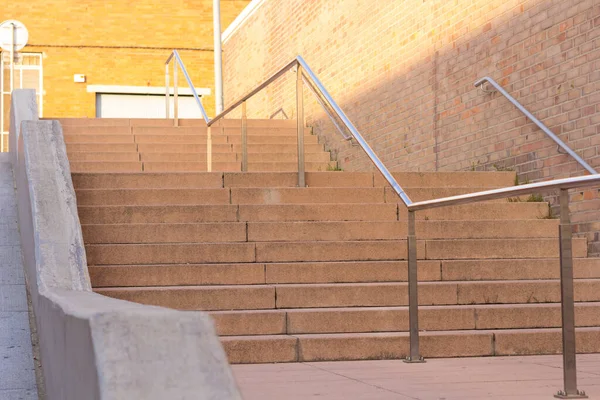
(218, 59)
(12, 58)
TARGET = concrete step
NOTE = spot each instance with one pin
(157, 214)
(246, 297)
(176, 275)
(106, 166)
(74, 122)
(333, 272)
(183, 148)
(235, 166)
(395, 345)
(258, 273)
(318, 212)
(177, 253)
(188, 166)
(395, 319)
(105, 197)
(306, 195)
(499, 248)
(213, 213)
(430, 293)
(147, 180)
(313, 179)
(181, 157)
(216, 139)
(97, 130)
(516, 269)
(101, 147)
(281, 148)
(184, 122)
(165, 233)
(103, 156)
(178, 139)
(100, 138)
(180, 253)
(451, 179)
(287, 157)
(311, 231)
(216, 131)
(367, 230)
(428, 193)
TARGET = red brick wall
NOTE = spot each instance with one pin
(403, 71)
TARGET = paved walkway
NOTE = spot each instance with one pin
(530, 378)
(17, 375)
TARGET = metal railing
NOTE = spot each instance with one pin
(304, 76)
(536, 121)
(566, 264)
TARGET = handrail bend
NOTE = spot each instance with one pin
(536, 121)
(317, 87)
(178, 60)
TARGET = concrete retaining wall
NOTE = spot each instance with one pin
(94, 347)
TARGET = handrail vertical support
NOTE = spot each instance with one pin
(413, 298)
(300, 126)
(567, 303)
(244, 139)
(167, 95)
(208, 149)
(175, 99)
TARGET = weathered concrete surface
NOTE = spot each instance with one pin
(23, 107)
(93, 347)
(17, 377)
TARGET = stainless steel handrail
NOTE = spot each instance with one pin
(179, 62)
(511, 191)
(566, 264)
(536, 121)
(308, 73)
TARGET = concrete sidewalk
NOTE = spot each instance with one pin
(531, 378)
(17, 375)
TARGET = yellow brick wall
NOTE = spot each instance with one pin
(115, 42)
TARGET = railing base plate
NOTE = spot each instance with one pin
(562, 395)
(410, 360)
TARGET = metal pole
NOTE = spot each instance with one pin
(167, 111)
(567, 303)
(300, 127)
(218, 56)
(413, 298)
(12, 59)
(208, 149)
(175, 92)
(244, 139)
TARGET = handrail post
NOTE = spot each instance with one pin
(300, 127)
(167, 95)
(208, 148)
(244, 139)
(175, 100)
(567, 303)
(413, 298)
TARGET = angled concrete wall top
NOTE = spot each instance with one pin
(94, 347)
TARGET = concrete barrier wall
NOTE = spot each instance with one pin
(94, 347)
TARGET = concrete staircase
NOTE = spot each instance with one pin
(319, 273)
(124, 145)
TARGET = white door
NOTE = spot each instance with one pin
(115, 105)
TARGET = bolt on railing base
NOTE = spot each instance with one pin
(410, 360)
(579, 395)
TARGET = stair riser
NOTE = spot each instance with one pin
(311, 348)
